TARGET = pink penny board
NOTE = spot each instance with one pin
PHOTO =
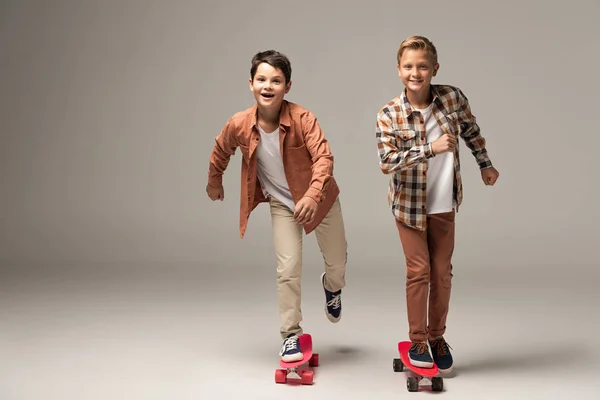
(291, 371)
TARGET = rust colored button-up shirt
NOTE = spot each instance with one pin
(307, 160)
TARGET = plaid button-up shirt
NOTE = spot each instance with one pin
(404, 150)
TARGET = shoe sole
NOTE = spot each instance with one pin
(292, 359)
(421, 364)
(331, 318)
(446, 371)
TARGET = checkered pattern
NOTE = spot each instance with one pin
(403, 149)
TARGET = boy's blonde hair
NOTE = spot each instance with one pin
(418, 43)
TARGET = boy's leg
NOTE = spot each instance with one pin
(287, 236)
(441, 245)
(416, 253)
(331, 237)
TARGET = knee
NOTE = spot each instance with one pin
(289, 268)
(417, 272)
(442, 278)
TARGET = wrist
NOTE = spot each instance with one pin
(429, 150)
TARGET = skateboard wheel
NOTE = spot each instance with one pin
(412, 384)
(280, 376)
(307, 377)
(437, 384)
(314, 361)
(398, 365)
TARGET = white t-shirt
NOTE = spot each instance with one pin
(271, 174)
(440, 169)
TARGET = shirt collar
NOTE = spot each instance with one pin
(284, 115)
(405, 104)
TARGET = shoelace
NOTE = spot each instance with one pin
(335, 302)
(290, 343)
(420, 347)
(441, 347)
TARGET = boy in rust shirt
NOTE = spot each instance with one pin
(286, 162)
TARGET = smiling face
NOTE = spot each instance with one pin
(269, 87)
(416, 69)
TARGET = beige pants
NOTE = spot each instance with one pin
(287, 235)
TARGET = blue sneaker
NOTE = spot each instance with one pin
(441, 354)
(290, 351)
(333, 303)
(419, 356)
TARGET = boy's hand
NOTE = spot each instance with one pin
(305, 210)
(444, 144)
(215, 193)
(489, 176)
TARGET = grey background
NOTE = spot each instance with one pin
(121, 279)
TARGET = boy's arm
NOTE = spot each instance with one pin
(471, 134)
(224, 148)
(391, 159)
(318, 147)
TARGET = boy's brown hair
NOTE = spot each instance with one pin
(274, 59)
(418, 43)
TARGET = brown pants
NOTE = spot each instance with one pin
(428, 272)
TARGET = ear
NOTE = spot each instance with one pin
(288, 87)
(250, 83)
(436, 67)
(399, 73)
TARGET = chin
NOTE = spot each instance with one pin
(271, 104)
(418, 88)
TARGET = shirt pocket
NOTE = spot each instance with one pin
(298, 158)
(406, 138)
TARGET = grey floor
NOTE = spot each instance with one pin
(180, 335)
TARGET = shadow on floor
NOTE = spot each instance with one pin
(549, 357)
(331, 355)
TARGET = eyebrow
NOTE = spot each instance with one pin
(275, 77)
(419, 63)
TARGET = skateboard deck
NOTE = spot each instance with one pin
(292, 371)
(420, 376)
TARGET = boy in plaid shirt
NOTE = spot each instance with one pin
(417, 139)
